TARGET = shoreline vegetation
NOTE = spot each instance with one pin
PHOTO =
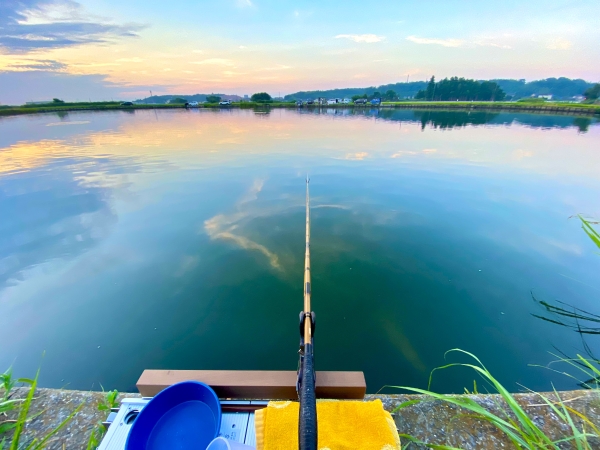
(525, 106)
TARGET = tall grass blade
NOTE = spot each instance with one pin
(23, 411)
(590, 231)
(513, 420)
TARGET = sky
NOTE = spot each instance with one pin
(115, 49)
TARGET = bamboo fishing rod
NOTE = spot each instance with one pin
(305, 386)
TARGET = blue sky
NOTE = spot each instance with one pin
(107, 48)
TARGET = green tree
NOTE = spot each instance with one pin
(57, 100)
(213, 98)
(451, 89)
(261, 97)
(489, 90)
(178, 100)
(430, 91)
(592, 93)
(390, 95)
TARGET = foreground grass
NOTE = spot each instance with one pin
(15, 414)
(513, 421)
(14, 428)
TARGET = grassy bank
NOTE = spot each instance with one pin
(579, 108)
(565, 108)
(66, 107)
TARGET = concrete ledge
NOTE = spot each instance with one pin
(434, 422)
(438, 422)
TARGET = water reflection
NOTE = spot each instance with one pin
(57, 211)
(187, 226)
(457, 119)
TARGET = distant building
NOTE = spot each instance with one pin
(547, 97)
(246, 97)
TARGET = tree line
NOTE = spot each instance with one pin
(450, 89)
(560, 88)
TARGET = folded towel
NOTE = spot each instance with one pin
(343, 425)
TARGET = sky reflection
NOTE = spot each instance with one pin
(187, 226)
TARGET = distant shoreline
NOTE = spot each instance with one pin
(546, 107)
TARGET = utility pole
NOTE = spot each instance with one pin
(407, 77)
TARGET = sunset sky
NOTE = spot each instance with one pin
(103, 49)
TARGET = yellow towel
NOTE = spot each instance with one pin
(343, 425)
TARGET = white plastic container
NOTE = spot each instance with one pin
(221, 443)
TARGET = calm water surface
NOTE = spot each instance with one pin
(175, 239)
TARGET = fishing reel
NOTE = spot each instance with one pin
(313, 325)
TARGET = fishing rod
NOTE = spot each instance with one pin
(305, 385)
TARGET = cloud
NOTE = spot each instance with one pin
(559, 44)
(368, 38)
(442, 42)
(402, 153)
(215, 62)
(36, 64)
(28, 25)
(451, 42)
(356, 156)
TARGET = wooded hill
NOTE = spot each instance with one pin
(560, 88)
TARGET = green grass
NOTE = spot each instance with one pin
(103, 106)
(590, 231)
(106, 404)
(22, 407)
(526, 105)
(513, 420)
(106, 106)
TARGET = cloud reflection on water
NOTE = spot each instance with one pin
(226, 226)
(48, 214)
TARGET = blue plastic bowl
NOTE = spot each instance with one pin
(185, 416)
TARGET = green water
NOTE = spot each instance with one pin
(175, 239)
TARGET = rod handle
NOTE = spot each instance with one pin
(307, 430)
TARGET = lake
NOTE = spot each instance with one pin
(175, 239)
